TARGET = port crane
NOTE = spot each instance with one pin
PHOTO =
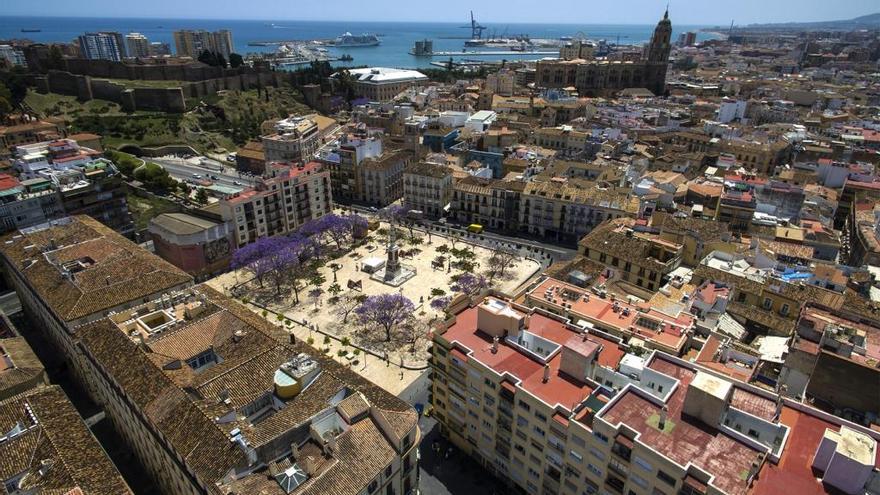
(475, 27)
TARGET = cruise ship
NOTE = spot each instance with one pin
(349, 40)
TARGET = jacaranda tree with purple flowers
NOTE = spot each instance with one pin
(386, 311)
(254, 257)
(470, 284)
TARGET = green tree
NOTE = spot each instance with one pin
(202, 196)
(56, 58)
(235, 60)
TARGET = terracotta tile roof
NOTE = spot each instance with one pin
(183, 403)
(115, 270)
(59, 439)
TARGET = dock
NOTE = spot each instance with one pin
(505, 53)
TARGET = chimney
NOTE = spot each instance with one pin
(664, 412)
(546, 373)
(291, 338)
(308, 465)
(330, 446)
(294, 450)
(753, 469)
(107, 280)
(780, 401)
(494, 344)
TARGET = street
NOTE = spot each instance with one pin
(544, 253)
(458, 474)
(184, 168)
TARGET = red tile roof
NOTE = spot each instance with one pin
(794, 473)
(560, 389)
(689, 440)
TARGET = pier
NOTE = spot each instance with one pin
(487, 53)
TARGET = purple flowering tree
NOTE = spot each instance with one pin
(254, 257)
(441, 303)
(470, 284)
(386, 311)
(358, 225)
(337, 228)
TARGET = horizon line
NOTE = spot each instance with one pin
(398, 21)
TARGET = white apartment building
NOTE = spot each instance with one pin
(291, 196)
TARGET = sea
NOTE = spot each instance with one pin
(397, 37)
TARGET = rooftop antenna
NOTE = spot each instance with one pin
(730, 31)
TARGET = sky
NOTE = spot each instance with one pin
(684, 12)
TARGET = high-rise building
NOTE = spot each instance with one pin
(159, 49)
(191, 43)
(106, 45)
(12, 56)
(137, 45)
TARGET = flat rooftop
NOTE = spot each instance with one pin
(794, 472)
(688, 440)
(561, 389)
(621, 316)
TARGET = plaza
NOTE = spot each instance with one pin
(433, 262)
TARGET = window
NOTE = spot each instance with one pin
(577, 457)
(541, 416)
(598, 455)
(372, 486)
(643, 464)
(638, 480)
(768, 303)
(388, 471)
(524, 405)
(602, 438)
(669, 480)
(784, 310)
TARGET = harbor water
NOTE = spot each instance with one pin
(397, 37)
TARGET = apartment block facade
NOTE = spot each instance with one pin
(427, 187)
(280, 203)
(552, 407)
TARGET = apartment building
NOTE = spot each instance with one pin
(637, 257)
(830, 360)
(554, 407)
(211, 398)
(62, 178)
(427, 187)
(562, 138)
(667, 328)
(382, 177)
(33, 132)
(295, 139)
(494, 204)
(567, 209)
(765, 295)
(191, 43)
(102, 46)
(137, 45)
(287, 197)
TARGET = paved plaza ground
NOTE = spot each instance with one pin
(314, 314)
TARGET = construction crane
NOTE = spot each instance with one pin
(475, 27)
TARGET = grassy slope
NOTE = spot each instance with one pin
(240, 119)
(143, 209)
